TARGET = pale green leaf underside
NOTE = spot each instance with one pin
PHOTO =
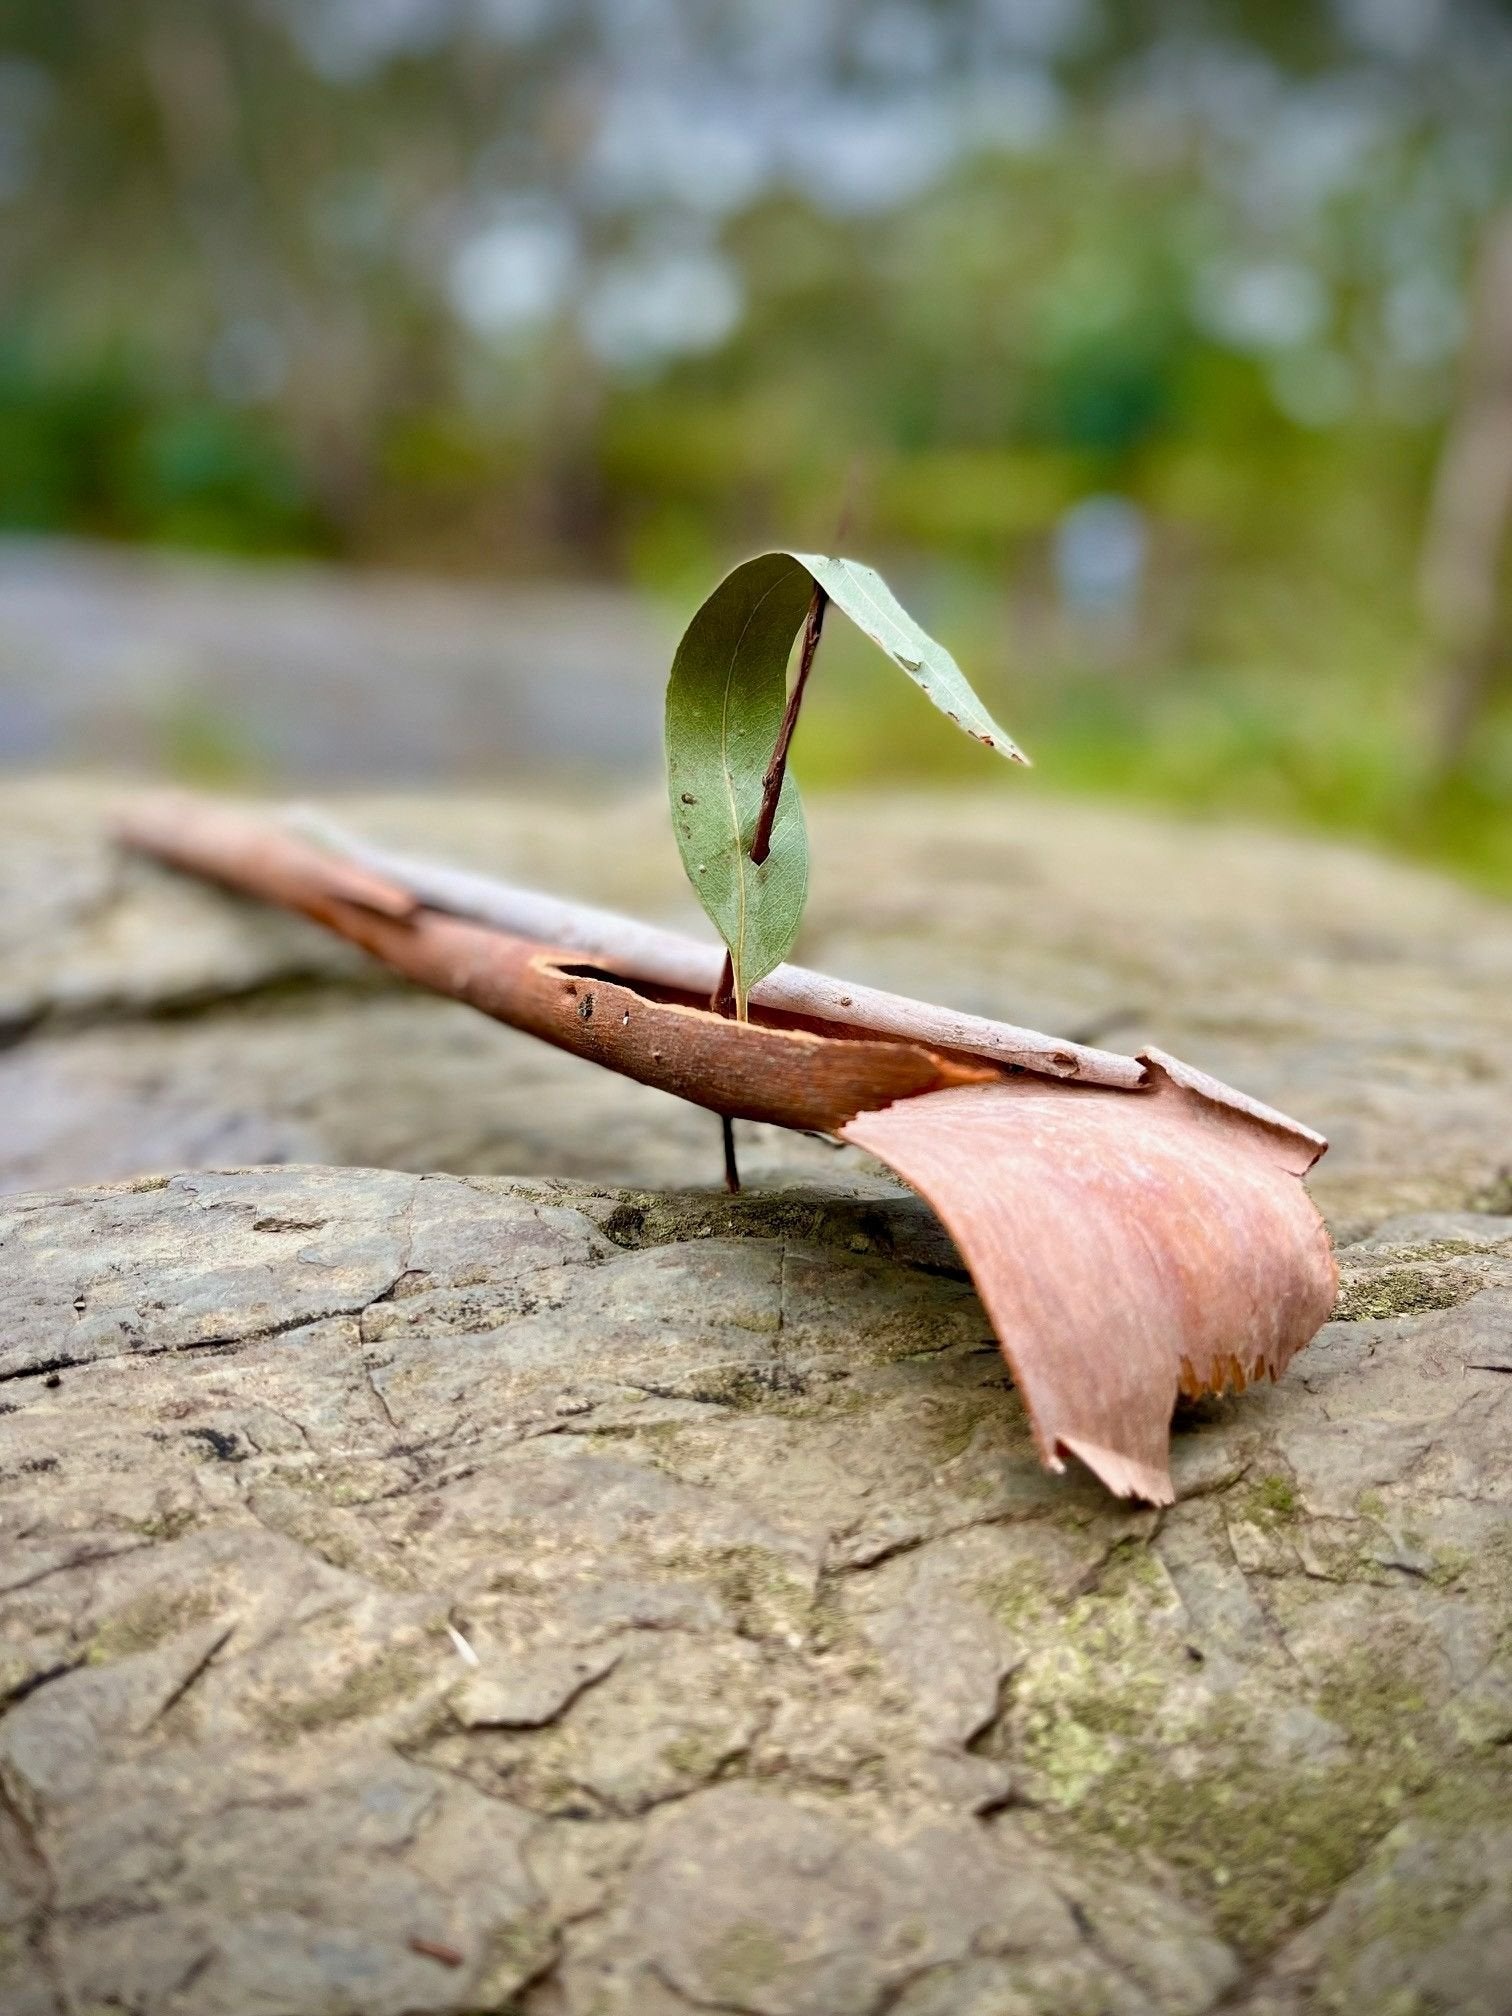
(725, 699)
(876, 611)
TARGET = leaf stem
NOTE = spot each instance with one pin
(722, 1001)
(776, 770)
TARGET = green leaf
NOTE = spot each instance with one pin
(876, 611)
(724, 707)
(725, 700)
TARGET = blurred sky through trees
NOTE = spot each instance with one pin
(1139, 333)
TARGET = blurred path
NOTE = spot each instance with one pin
(288, 671)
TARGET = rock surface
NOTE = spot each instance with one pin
(457, 1592)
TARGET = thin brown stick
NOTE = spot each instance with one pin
(436, 1949)
(732, 1167)
(351, 886)
(813, 626)
(776, 770)
(692, 966)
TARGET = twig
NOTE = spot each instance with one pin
(776, 770)
(723, 1000)
(436, 1949)
(813, 626)
(1038, 1184)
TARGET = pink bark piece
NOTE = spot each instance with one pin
(1126, 1248)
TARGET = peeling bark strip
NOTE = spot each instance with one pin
(773, 1070)
(1127, 1249)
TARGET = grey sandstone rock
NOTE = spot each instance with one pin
(449, 1592)
(662, 1608)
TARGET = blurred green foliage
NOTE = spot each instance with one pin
(93, 446)
(247, 314)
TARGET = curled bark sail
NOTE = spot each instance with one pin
(1126, 1250)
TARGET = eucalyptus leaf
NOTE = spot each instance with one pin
(724, 707)
(725, 701)
(874, 609)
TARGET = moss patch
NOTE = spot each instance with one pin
(366, 1691)
(645, 1218)
(1270, 1501)
(698, 1758)
(148, 1620)
(514, 1956)
(768, 1598)
(169, 1524)
(1124, 1743)
(944, 1427)
(1262, 1846)
(742, 1961)
(1017, 1598)
(1401, 1291)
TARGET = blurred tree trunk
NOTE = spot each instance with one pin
(1469, 516)
(332, 391)
(192, 77)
